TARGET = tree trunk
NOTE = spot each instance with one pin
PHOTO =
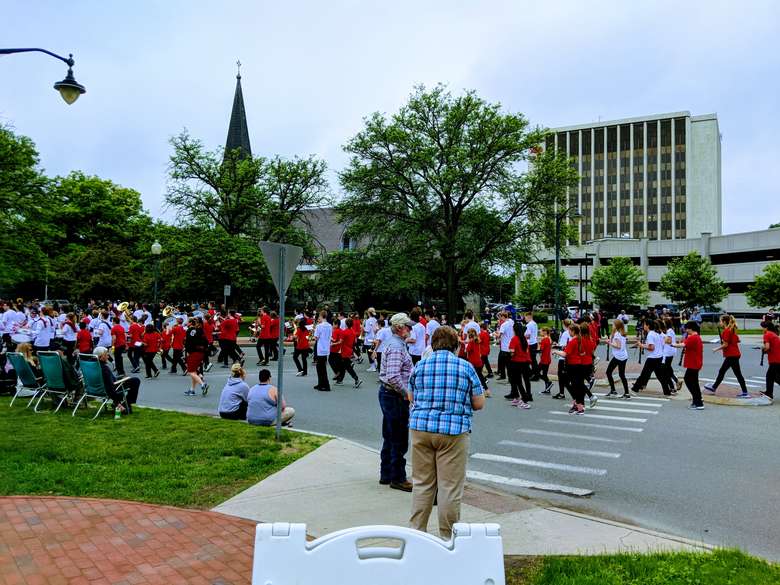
(453, 298)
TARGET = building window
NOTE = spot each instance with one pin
(348, 243)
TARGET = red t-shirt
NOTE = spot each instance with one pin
(732, 339)
(474, 353)
(301, 338)
(588, 347)
(229, 331)
(152, 341)
(518, 354)
(773, 356)
(136, 332)
(484, 342)
(356, 326)
(177, 337)
(347, 341)
(208, 331)
(274, 329)
(545, 345)
(593, 326)
(573, 357)
(84, 341)
(166, 340)
(335, 346)
(694, 350)
(119, 332)
(265, 327)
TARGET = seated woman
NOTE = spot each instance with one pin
(109, 381)
(262, 403)
(234, 397)
(26, 350)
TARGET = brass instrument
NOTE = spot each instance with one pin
(167, 311)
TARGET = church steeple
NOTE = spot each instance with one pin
(238, 134)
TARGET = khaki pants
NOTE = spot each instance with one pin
(438, 470)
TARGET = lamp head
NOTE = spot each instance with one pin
(69, 88)
(156, 248)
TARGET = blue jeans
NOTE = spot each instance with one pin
(395, 435)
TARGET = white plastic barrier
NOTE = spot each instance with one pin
(283, 557)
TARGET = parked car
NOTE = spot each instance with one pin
(59, 304)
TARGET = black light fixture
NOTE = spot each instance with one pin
(69, 88)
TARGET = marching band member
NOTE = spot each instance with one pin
(369, 334)
(119, 341)
(84, 338)
(42, 330)
(273, 337)
(151, 345)
(103, 331)
(135, 352)
(208, 333)
(196, 346)
(165, 346)
(69, 333)
(177, 344)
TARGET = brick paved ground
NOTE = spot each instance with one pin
(53, 540)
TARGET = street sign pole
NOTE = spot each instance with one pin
(280, 371)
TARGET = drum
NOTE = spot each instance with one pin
(21, 337)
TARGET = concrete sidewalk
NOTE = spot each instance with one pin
(336, 487)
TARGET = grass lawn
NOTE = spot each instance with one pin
(152, 456)
(721, 567)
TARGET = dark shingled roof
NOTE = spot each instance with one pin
(238, 133)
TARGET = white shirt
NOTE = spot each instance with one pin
(343, 324)
(471, 325)
(103, 332)
(619, 353)
(369, 328)
(323, 332)
(506, 333)
(658, 342)
(383, 336)
(43, 331)
(138, 313)
(563, 340)
(670, 350)
(531, 332)
(418, 334)
(432, 326)
(68, 333)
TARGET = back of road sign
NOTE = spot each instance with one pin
(474, 556)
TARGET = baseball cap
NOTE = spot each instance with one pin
(400, 319)
(100, 351)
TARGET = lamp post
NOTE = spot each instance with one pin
(559, 217)
(587, 256)
(156, 251)
(69, 88)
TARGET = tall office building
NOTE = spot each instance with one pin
(655, 177)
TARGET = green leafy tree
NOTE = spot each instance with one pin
(774, 225)
(529, 292)
(547, 286)
(447, 170)
(619, 284)
(692, 281)
(765, 290)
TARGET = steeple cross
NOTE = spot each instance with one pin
(238, 64)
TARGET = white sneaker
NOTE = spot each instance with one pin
(299, 374)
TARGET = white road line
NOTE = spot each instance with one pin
(623, 409)
(608, 417)
(572, 450)
(571, 436)
(540, 464)
(617, 399)
(734, 382)
(592, 425)
(517, 482)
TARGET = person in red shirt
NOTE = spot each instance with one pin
(519, 369)
(771, 348)
(136, 332)
(119, 341)
(264, 338)
(346, 351)
(693, 357)
(576, 372)
(152, 341)
(356, 327)
(228, 337)
(334, 358)
(177, 345)
(545, 357)
(84, 338)
(208, 332)
(165, 346)
(484, 348)
(474, 355)
(729, 345)
(274, 336)
(302, 347)
(587, 361)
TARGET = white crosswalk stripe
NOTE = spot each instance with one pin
(599, 406)
(571, 436)
(604, 416)
(577, 423)
(571, 450)
(539, 464)
(733, 382)
(523, 483)
(642, 398)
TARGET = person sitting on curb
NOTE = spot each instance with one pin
(262, 399)
(233, 401)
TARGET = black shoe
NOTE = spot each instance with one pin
(405, 486)
(559, 396)
(545, 391)
(324, 389)
(489, 376)
(510, 396)
(358, 383)
(384, 482)
(612, 393)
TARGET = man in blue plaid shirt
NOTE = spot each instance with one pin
(444, 390)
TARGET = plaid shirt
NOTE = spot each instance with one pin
(396, 366)
(442, 386)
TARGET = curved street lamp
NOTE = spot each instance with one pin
(156, 251)
(69, 88)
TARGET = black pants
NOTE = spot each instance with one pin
(238, 414)
(395, 436)
(621, 368)
(369, 351)
(178, 360)
(669, 367)
(481, 377)
(119, 361)
(346, 368)
(134, 354)
(273, 347)
(334, 359)
(733, 363)
(231, 350)
(503, 360)
(533, 350)
(300, 357)
(378, 360)
(165, 357)
(543, 369)
(577, 374)
(321, 362)
(691, 379)
(650, 367)
(563, 377)
(486, 364)
(415, 359)
(259, 346)
(149, 363)
(772, 378)
(70, 346)
(520, 380)
(131, 386)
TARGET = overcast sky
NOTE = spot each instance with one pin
(312, 70)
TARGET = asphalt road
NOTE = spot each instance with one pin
(711, 475)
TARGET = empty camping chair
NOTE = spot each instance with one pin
(354, 557)
(27, 381)
(58, 383)
(94, 387)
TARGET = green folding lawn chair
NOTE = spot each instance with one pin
(28, 383)
(58, 383)
(94, 388)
